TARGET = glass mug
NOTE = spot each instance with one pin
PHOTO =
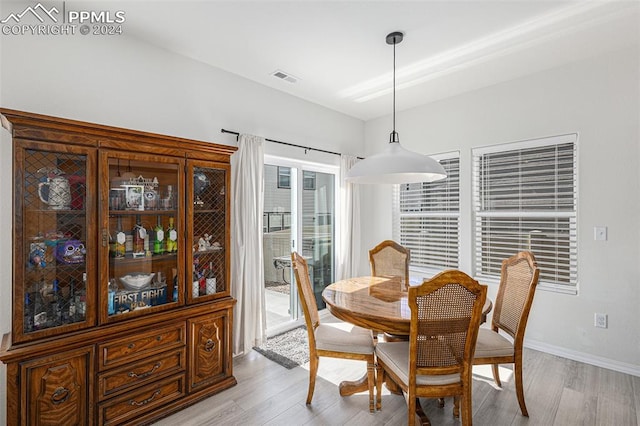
(161, 278)
(116, 199)
(150, 199)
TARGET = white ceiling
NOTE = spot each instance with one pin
(338, 52)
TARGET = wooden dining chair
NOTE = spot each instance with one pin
(436, 361)
(340, 340)
(390, 258)
(518, 281)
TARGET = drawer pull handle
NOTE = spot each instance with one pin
(134, 375)
(144, 401)
(209, 345)
(60, 395)
(158, 338)
(131, 345)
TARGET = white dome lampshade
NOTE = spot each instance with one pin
(395, 164)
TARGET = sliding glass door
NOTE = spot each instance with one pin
(299, 215)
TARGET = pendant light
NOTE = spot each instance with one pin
(396, 164)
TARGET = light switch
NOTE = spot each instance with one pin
(600, 233)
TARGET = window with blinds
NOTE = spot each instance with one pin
(427, 218)
(525, 198)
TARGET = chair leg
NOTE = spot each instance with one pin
(496, 374)
(371, 383)
(421, 418)
(411, 410)
(517, 366)
(313, 370)
(456, 407)
(379, 380)
(466, 406)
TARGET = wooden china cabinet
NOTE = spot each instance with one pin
(121, 308)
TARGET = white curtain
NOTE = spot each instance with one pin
(247, 273)
(349, 222)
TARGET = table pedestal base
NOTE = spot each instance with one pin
(395, 389)
(349, 387)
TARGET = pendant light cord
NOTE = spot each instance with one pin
(394, 87)
(394, 38)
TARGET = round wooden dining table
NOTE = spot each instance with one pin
(379, 304)
(376, 303)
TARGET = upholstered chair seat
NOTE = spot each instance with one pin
(395, 356)
(337, 338)
(491, 344)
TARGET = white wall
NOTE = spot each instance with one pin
(123, 82)
(599, 99)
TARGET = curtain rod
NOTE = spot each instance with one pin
(306, 148)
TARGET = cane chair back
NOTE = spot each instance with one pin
(305, 292)
(445, 316)
(518, 282)
(348, 342)
(390, 258)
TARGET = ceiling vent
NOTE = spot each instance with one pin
(284, 76)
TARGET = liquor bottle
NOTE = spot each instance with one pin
(28, 313)
(39, 309)
(81, 305)
(145, 243)
(112, 290)
(72, 300)
(175, 288)
(195, 283)
(138, 238)
(56, 305)
(121, 239)
(81, 299)
(65, 301)
(158, 243)
(202, 289)
(171, 198)
(172, 238)
(210, 280)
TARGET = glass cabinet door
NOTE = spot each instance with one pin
(53, 240)
(141, 234)
(208, 239)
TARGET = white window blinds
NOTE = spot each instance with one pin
(427, 217)
(525, 199)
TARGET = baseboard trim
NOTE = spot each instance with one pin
(607, 363)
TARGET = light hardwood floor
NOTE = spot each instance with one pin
(558, 392)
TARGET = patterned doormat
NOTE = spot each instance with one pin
(289, 349)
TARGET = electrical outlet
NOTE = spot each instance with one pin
(600, 233)
(600, 320)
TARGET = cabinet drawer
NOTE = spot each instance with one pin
(116, 381)
(131, 405)
(132, 348)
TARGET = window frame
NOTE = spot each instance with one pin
(423, 271)
(308, 180)
(284, 179)
(524, 215)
